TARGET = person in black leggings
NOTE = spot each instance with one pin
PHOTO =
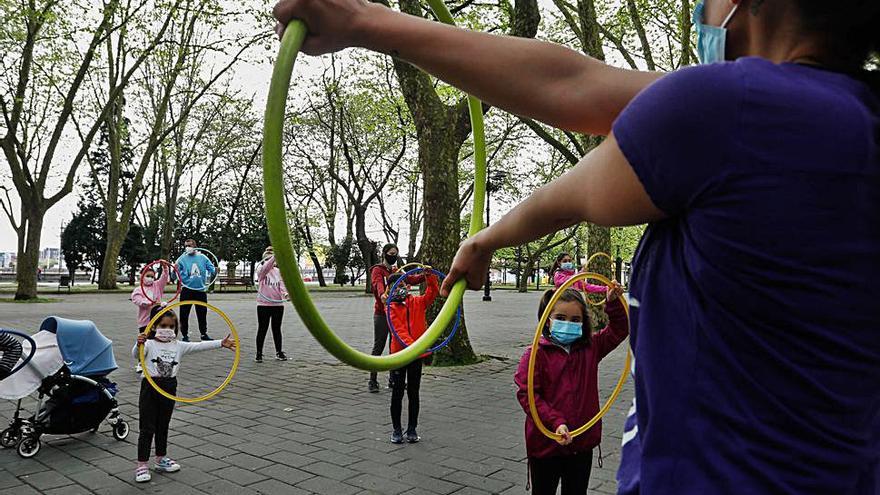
(271, 295)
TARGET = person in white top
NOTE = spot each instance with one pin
(162, 355)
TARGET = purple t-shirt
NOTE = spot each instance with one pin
(757, 326)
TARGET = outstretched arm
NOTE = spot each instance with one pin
(526, 77)
(603, 189)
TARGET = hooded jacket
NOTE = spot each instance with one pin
(409, 319)
(155, 291)
(379, 280)
(566, 387)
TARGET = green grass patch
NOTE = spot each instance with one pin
(29, 301)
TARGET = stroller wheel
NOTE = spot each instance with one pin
(120, 430)
(29, 446)
(10, 437)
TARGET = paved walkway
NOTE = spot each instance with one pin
(308, 425)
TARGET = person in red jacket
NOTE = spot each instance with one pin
(566, 390)
(407, 314)
(379, 283)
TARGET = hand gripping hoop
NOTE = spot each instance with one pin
(587, 267)
(168, 264)
(279, 231)
(530, 384)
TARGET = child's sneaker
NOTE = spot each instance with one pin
(185, 338)
(258, 358)
(396, 437)
(166, 465)
(142, 474)
(138, 369)
(412, 436)
(280, 357)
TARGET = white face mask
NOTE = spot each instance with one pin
(190, 250)
(165, 334)
(149, 280)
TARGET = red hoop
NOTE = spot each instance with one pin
(173, 267)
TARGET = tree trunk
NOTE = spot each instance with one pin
(438, 160)
(365, 245)
(110, 267)
(599, 241)
(28, 261)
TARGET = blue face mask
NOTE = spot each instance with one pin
(711, 40)
(566, 332)
(567, 266)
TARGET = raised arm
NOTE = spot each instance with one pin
(607, 339)
(535, 79)
(266, 267)
(603, 189)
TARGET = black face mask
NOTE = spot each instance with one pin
(391, 259)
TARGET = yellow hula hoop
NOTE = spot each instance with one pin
(530, 383)
(414, 264)
(191, 400)
(587, 267)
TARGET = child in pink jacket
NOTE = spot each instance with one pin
(564, 268)
(155, 289)
(271, 295)
(567, 390)
(149, 296)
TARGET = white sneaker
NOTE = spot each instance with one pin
(138, 369)
(166, 465)
(142, 474)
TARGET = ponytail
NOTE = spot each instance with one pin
(851, 29)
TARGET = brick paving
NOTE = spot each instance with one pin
(308, 425)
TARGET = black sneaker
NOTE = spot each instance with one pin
(205, 337)
(280, 357)
(185, 338)
(390, 384)
(396, 437)
(259, 358)
(412, 436)
(373, 387)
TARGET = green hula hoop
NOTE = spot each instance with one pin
(279, 232)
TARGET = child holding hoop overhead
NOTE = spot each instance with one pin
(564, 268)
(407, 314)
(566, 390)
(163, 354)
(271, 295)
(149, 297)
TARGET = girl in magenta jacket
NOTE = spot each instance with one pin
(564, 268)
(566, 390)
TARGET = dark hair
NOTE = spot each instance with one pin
(192, 241)
(850, 28)
(557, 264)
(394, 277)
(570, 295)
(167, 314)
(389, 247)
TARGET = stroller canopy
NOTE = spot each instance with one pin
(85, 349)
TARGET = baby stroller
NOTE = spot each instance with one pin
(69, 373)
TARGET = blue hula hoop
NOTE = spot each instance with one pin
(455, 326)
(30, 356)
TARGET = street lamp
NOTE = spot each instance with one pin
(493, 184)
